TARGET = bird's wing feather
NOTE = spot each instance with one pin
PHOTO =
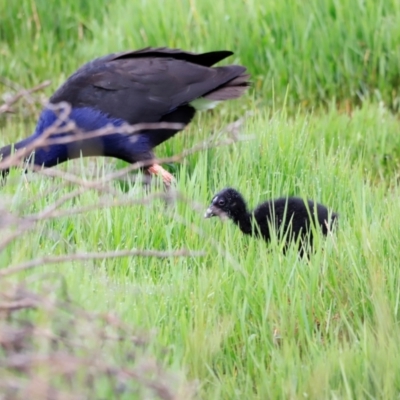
(143, 87)
(205, 59)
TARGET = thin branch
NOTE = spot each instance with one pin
(52, 212)
(18, 305)
(97, 256)
(6, 107)
(142, 164)
(10, 238)
(62, 200)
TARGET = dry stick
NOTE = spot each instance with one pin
(54, 213)
(19, 305)
(41, 140)
(71, 179)
(28, 221)
(96, 256)
(122, 172)
(23, 205)
(22, 93)
(58, 203)
(26, 227)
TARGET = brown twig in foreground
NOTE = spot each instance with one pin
(97, 256)
(22, 93)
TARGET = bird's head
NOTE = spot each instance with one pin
(228, 202)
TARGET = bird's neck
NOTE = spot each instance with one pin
(46, 156)
(244, 221)
(85, 118)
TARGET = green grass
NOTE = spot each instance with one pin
(243, 320)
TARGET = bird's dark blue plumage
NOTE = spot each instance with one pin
(87, 119)
(144, 86)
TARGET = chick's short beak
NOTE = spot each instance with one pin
(209, 213)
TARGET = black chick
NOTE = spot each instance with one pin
(289, 216)
(148, 85)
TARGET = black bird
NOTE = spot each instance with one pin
(148, 85)
(289, 216)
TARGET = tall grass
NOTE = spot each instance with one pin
(244, 320)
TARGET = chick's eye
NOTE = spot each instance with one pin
(221, 202)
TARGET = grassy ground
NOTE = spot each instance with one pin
(243, 320)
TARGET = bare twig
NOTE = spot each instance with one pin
(97, 256)
(18, 305)
(142, 164)
(23, 93)
(52, 212)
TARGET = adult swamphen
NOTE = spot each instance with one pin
(143, 86)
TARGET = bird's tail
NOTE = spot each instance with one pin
(231, 89)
